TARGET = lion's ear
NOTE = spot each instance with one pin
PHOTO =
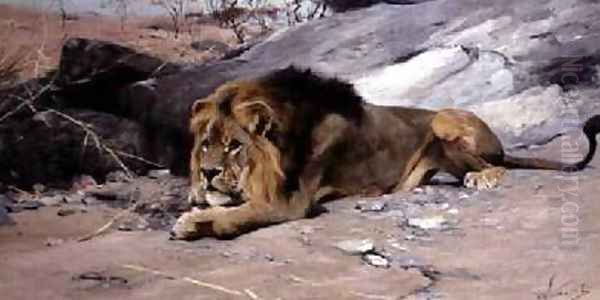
(201, 112)
(258, 116)
(198, 106)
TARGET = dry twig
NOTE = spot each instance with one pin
(211, 286)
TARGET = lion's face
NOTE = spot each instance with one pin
(232, 156)
(221, 156)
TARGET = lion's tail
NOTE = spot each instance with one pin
(591, 128)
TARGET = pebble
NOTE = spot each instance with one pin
(125, 227)
(356, 247)
(463, 195)
(63, 212)
(52, 242)
(453, 211)
(376, 260)
(371, 206)
(435, 222)
(30, 205)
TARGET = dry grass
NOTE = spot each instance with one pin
(42, 35)
(10, 67)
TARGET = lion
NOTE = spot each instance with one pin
(267, 150)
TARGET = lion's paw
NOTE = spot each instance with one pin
(486, 179)
(194, 224)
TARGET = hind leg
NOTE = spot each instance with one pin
(472, 151)
(422, 167)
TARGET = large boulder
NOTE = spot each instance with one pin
(472, 54)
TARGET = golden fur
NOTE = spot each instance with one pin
(292, 138)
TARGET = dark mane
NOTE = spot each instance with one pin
(324, 94)
(313, 97)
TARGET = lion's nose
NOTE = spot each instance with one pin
(209, 174)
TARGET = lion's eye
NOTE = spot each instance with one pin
(204, 146)
(234, 145)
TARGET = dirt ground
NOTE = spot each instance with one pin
(508, 243)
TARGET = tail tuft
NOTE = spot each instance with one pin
(592, 126)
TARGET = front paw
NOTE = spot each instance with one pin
(486, 179)
(194, 224)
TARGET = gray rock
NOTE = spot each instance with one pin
(356, 247)
(376, 260)
(371, 206)
(29, 205)
(65, 212)
(435, 222)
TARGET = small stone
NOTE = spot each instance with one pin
(156, 174)
(376, 260)
(125, 227)
(394, 244)
(453, 211)
(418, 190)
(52, 242)
(371, 206)
(463, 195)
(356, 247)
(269, 257)
(30, 205)
(444, 206)
(142, 225)
(64, 212)
(410, 237)
(435, 222)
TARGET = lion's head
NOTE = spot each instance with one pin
(232, 157)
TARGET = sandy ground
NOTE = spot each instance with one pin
(501, 244)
